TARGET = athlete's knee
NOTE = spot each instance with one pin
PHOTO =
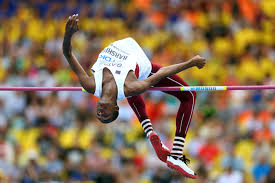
(194, 94)
(191, 96)
(86, 83)
(186, 96)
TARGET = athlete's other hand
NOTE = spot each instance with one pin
(198, 61)
(71, 25)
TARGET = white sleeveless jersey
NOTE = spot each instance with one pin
(120, 57)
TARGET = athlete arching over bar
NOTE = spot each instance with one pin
(122, 70)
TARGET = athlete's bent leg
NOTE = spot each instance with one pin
(187, 99)
(138, 106)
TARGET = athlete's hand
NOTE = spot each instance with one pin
(71, 25)
(198, 61)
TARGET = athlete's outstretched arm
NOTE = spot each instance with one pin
(139, 87)
(88, 83)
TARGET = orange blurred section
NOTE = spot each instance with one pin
(249, 9)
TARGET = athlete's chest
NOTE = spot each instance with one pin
(109, 79)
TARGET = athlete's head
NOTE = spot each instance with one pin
(106, 112)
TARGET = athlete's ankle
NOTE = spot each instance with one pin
(148, 134)
(178, 145)
(147, 127)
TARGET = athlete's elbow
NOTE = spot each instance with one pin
(88, 89)
(86, 83)
(142, 87)
(136, 88)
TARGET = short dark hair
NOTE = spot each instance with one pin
(113, 118)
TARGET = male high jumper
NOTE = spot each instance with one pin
(122, 70)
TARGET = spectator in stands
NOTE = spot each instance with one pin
(230, 176)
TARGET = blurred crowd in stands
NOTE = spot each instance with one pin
(54, 136)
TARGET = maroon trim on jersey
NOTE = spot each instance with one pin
(137, 71)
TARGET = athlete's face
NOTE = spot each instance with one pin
(105, 111)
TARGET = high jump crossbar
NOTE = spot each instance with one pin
(183, 88)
